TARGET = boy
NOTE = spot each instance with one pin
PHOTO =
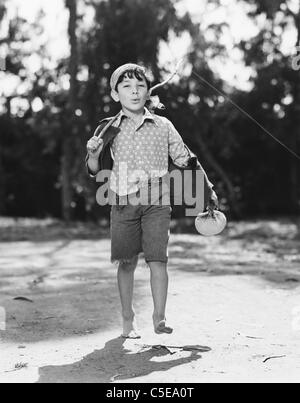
(144, 143)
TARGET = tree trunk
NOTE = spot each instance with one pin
(66, 159)
(8, 107)
(295, 164)
(2, 188)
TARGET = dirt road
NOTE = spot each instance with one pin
(236, 296)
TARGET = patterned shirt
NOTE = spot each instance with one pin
(142, 152)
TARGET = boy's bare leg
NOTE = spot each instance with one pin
(126, 286)
(159, 286)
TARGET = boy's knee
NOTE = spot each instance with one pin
(128, 264)
(158, 265)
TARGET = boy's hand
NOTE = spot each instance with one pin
(213, 203)
(94, 147)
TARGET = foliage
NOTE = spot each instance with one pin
(253, 174)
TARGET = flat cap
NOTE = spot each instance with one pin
(121, 70)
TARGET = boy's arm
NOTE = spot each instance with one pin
(95, 148)
(213, 201)
(181, 157)
(177, 150)
(92, 166)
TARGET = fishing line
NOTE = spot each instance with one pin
(243, 111)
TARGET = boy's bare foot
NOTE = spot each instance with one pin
(132, 335)
(130, 330)
(160, 326)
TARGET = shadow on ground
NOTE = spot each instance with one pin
(115, 363)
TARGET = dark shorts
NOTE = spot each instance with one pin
(141, 228)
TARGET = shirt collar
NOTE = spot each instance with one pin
(147, 116)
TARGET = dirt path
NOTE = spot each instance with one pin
(236, 295)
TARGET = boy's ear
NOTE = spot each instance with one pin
(115, 96)
(149, 95)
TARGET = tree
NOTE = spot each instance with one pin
(43, 149)
(28, 171)
(2, 176)
(71, 131)
(277, 84)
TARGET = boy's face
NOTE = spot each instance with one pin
(132, 94)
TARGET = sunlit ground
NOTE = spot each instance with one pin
(237, 295)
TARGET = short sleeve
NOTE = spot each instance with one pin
(177, 150)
